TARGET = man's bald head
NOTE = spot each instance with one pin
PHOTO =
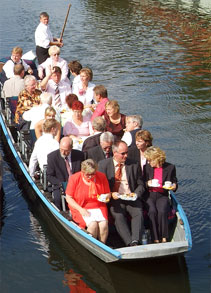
(65, 146)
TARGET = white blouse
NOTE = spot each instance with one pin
(61, 63)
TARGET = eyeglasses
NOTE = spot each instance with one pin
(89, 175)
(123, 154)
(57, 54)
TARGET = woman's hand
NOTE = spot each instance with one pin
(149, 183)
(115, 195)
(108, 196)
(40, 74)
(174, 186)
(30, 71)
(84, 212)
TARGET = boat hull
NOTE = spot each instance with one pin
(181, 241)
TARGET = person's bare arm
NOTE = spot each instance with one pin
(38, 128)
(76, 206)
(43, 83)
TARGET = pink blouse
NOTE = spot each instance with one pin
(158, 174)
(85, 129)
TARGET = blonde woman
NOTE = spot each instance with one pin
(54, 60)
(115, 121)
(50, 113)
(158, 169)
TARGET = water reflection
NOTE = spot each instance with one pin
(85, 273)
(156, 55)
(164, 275)
(75, 282)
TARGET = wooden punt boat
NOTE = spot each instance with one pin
(180, 242)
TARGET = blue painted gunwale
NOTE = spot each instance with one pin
(22, 166)
(185, 221)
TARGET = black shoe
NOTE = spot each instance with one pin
(134, 243)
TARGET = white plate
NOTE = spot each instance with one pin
(126, 197)
(102, 199)
(154, 185)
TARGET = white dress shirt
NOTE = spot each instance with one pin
(61, 63)
(127, 138)
(9, 67)
(124, 185)
(43, 146)
(43, 36)
(64, 90)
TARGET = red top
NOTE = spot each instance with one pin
(158, 174)
(79, 191)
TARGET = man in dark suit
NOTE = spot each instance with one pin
(98, 125)
(102, 151)
(61, 164)
(129, 181)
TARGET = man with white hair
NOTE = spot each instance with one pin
(104, 150)
(133, 124)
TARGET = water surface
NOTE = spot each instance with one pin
(155, 59)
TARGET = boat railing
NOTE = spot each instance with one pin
(24, 144)
(43, 177)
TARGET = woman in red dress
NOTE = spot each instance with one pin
(81, 195)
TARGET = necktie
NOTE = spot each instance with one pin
(68, 166)
(57, 97)
(118, 175)
(107, 155)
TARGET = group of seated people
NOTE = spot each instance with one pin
(93, 148)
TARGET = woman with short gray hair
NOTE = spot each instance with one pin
(82, 193)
